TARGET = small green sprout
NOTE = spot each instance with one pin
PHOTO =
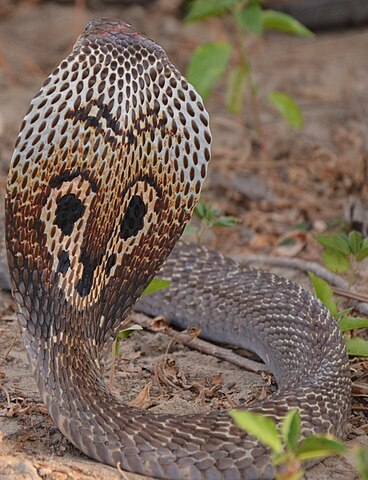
(288, 450)
(356, 346)
(212, 60)
(342, 251)
(209, 217)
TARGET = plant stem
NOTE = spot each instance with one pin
(245, 64)
(113, 362)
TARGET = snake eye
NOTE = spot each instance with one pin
(69, 209)
(133, 219)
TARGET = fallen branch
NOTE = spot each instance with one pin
(202, 346)
(336, 281)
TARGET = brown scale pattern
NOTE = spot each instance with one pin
(107, 168)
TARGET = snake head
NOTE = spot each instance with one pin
(108, 166)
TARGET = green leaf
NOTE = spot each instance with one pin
(304, 226)
(207, 64)
(224, 221)
(128, 331)
(355, 241)
(290, 428)
(288, 108)
(343, 313)
(200, 210)
(124, 334)
(250, 19)
(155, 285)
(324, 292)
(205, 211)
(350, 323)
(339, 243)
(236, 89)
(363, 253)
(260, 426)
(335, 261)
(202, 9)
(357, 347)
(362, 462)
(282, 22)
(316, 446)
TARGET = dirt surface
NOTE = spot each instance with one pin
(317, 171)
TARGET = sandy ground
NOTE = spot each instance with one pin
(318, 168)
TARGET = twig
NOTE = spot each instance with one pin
(124, 475)
(113, 363)
(294, 263)
(7, 395)
(359, 389)
(10, 348)
(341, 284)
(205, 347)
(354, 296)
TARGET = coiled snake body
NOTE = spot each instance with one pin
(107, 168)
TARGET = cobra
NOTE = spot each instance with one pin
(106, 171)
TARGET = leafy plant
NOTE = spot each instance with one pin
(343, 252)
(355, 345)
(287, 449)
(209, 217)
(211, 61)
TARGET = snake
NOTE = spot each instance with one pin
(106, 171)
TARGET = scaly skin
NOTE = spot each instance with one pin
(107, 169)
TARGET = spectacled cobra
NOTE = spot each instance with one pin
(106, 171)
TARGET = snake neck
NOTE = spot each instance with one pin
(156, 445)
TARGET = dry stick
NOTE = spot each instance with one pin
(113, 362)
(7, 395)
(10, 348)
(123, 474)
(245, 63)
(341, 284)
(204, 347)
(354, 296)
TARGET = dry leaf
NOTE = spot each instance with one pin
(169, 375)
(143, 399)
(159, 324)
(129, 357)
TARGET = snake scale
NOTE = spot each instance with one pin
(106, 171)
